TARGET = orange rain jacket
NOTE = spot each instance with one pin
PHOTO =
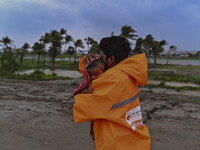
(115, 108)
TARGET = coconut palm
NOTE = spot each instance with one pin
(157, 48)
(70, 51)
(94, 47)
(63, 33)
(68, 40)
(21, 52)
(56, 44)
(6, 47)
(88, 41)
(6, 41)
(171, 48)
(77, 44)
(139, 46)
(198, 54)
(148, 43)
(46, 39)
(128, 32)
(38, 50)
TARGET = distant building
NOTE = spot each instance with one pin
(179, 53)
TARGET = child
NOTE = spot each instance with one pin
(91, 72)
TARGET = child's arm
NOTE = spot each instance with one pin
(88, 90)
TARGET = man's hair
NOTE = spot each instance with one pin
(95, 63)
(116, 46)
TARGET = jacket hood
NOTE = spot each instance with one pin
(136, 67)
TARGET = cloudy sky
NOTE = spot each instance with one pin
(176, 21)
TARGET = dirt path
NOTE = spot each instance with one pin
(38, 115)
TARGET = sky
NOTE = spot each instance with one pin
(176, 21)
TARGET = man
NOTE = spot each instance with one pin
(114, 104)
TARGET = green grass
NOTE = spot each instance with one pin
(36, 75)
(159, 75)
(177, 67)
(28, 64)
(162, 85)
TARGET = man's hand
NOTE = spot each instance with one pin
(89, 57)
(88, 90)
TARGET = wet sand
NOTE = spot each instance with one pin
(38, 115)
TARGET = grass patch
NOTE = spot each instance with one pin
(172, 66)
(162, 85)
(36, 75)
(29, 64)
(159, 75)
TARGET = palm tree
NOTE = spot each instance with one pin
(148, 44)
(157, 48)
(128, 32)
(198, 54)
(38, 50)
(22, 51)
(63, 33)
(138, 46)
(46, 40)
(94, 47)
(77, 44)
(6, 41)
(70, 51)
(171, 48)
(56, 44)
(88, 41)
(68, 39)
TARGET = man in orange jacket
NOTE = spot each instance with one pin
(114, 104)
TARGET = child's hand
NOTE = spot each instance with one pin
(89, 57)
(88, 90)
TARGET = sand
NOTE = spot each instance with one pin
(38, 115)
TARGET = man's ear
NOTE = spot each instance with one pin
(111, 61)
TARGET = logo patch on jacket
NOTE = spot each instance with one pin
(134, 116)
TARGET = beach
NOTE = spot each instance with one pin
(38, 115)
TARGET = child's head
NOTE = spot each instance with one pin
(95, 69)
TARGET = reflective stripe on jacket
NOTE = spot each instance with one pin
(115, 108)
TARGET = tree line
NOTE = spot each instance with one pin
(58, 43)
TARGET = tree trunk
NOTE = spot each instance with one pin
(2, 64)
(21, 60)
(44, 61)
(61, 58)
(38, 62)
(32, 58)
(75, 56)
(148, 57)
(53, 63)
(168, 57)
(155, 59)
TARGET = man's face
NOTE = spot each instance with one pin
(103, 56)
(109, 62)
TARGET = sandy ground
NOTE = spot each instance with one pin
(38, 115)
